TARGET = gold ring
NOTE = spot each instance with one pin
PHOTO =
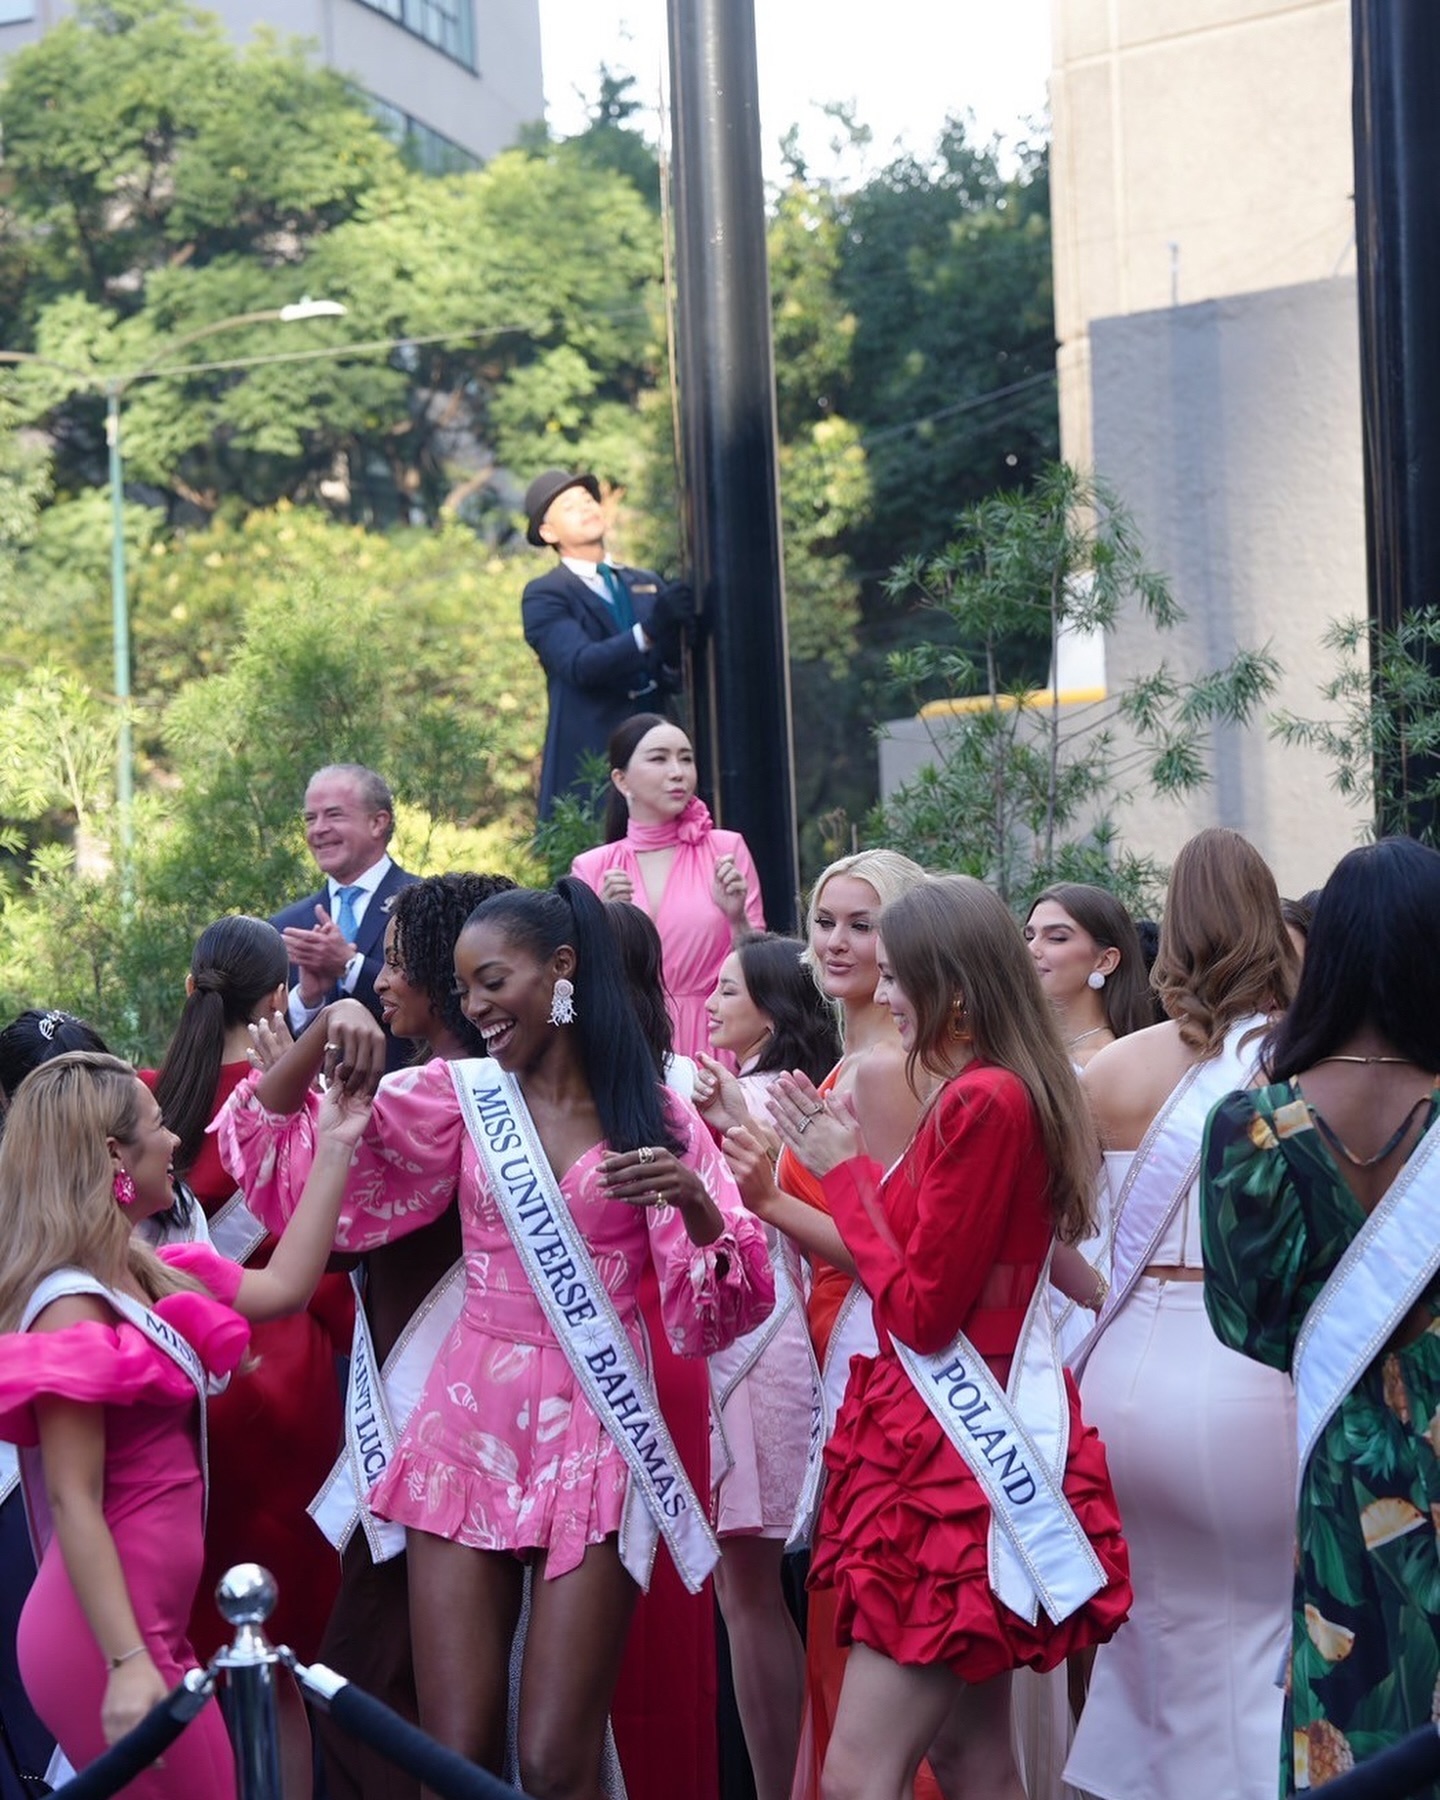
(656, 1197)
(645, 1153)
(330, 1047)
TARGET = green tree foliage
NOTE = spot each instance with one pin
(1024, 787)
(1381, 730)
(368, 664)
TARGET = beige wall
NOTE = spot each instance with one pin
(1218, 127)
(1203, 226)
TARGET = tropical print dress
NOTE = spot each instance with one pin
(1276, 1217)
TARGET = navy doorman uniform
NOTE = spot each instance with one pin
(598, 672)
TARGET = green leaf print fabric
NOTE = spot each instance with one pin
(1276, 1216)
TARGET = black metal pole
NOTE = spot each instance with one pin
(1397, 231)
(727, 411)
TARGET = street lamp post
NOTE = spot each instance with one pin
(115, 389)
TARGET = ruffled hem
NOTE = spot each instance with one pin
(557, 1515)
(904, 1532)
(88, 1361)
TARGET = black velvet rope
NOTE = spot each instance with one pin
(151, 1738)
(447, 1773)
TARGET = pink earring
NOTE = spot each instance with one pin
(124, 1187)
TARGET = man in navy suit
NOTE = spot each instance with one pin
(336, 937)
(608, 638)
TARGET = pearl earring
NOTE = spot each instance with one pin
(1095, 979)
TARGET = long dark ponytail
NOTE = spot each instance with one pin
(237, 962)
(616, 1057)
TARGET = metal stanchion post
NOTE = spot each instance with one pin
(246, 1598)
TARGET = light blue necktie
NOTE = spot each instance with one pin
(345, 914)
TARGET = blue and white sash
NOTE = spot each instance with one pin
(586, 1325)
(1163, 1170)
(1386, 1267)
(378, 1405)
(181, 1352)
(853, 1334)
(727, 1368)
(1014, 1441)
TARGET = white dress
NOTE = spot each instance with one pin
(1183, 1703)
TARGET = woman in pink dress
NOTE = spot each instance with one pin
(505, 1459)
(699, 886)
(107, 1416)
(663, 854)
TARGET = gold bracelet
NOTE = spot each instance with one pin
(1102, 1290)
(115, 1661)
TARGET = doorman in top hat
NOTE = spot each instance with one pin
(608, 637)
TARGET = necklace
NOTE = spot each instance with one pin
(1070, 1043)
(1401, 1061)
(1388, 1148)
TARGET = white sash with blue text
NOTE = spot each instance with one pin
(1164, 1168)
(378, 1405)
(1386, 1267)
(181, 1352)
(586, 1325)
(853, 1334)
(1014, 1442)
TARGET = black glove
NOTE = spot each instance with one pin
(674, 612)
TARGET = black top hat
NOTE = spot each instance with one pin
(546, 488)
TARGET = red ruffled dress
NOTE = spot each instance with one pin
(954, 1239)
(153, 1504)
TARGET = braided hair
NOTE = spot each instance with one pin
(429, 916)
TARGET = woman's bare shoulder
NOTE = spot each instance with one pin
(1128, 1081)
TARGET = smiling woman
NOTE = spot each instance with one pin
(475, 1477)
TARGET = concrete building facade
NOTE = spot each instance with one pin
(1208, 360)
(456, 80)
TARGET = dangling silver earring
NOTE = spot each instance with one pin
(1095, 979)
(562, 1002)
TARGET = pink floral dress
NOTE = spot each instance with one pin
(503, 1451)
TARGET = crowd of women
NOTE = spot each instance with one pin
(1022, 1284)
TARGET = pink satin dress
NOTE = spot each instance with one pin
(153, 1505)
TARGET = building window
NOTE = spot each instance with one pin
(447, 24)
(16, 12)
(421, 147)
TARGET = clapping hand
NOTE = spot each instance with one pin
(718, 1096)
(615, 884)
(813, 1127)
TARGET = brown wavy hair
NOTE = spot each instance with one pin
(1224, 951)
(57, 1184)
(952, 939)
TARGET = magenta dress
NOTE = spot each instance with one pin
(153, 1505)
(695, 934)
(503, 1451)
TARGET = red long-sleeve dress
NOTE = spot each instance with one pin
(954, 1239)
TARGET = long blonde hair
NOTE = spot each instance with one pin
(887, 871)
(952, 941)
(1224, 950)
(57, 1192)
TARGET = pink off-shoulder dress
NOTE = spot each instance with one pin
(153, 1504)
(503, 1451)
